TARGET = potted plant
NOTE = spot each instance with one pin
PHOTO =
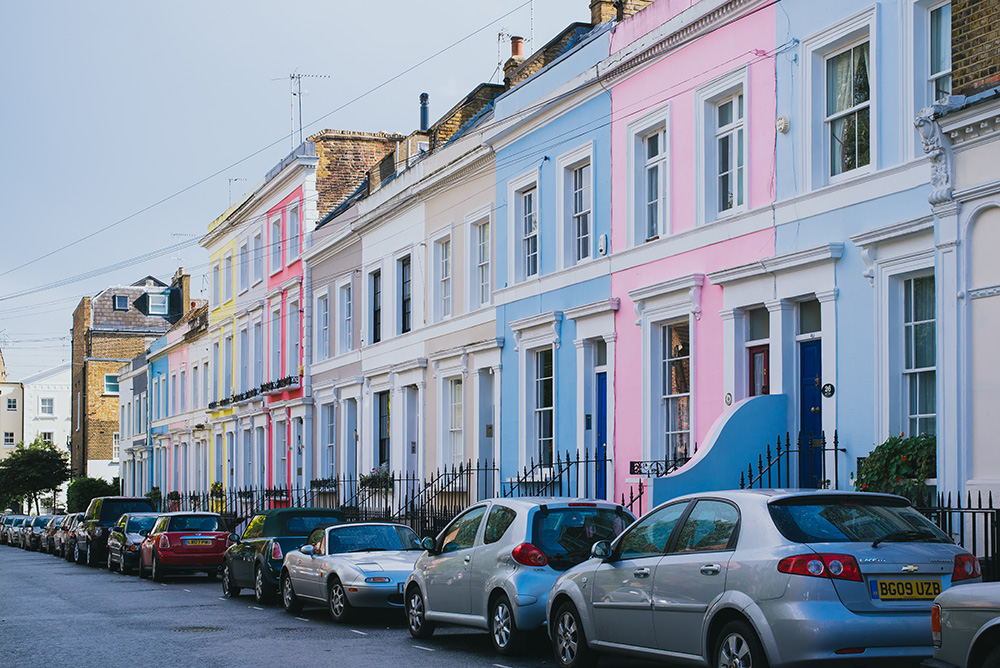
(379, 478)
(900, 465)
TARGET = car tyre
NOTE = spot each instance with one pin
(289, 600)
(142, 568)
(569, 644)
(507, 638)
(156, 571)
(738, 647)
(263, 591)
(229, 589)
(341, 610)
(123, 566)
(111, 564)
(992, 659)
(91, 556)
(68, 552)
(78, 556)
(416, 614)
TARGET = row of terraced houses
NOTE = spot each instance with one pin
(670, 237)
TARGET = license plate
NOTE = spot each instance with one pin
(198, 541)
(400, 586)
(905, 590)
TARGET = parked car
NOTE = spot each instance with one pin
(965, 623)
(183, 542)
(67, 538)
(255, 559)
(49, 534)
(350, 566)
(761, 577)
(33, 534)
(22, 531)
(92, 531)
(493, 565)
(7, 529)
(124, 540)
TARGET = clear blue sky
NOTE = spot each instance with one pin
(108, 107)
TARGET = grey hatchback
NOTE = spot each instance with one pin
(496, 574)
(761, 577)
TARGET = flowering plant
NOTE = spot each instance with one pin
(379, 478)
(901, 465)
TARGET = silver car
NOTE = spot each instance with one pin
(757, 577)
(965, 622)
(349, 566)
(493, 565)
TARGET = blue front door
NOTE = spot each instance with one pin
(601, 437)
(810, 415)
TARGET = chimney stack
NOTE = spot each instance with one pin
(619, 10)
(424, 111)
(516, 57)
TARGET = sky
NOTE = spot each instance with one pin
(125, 127)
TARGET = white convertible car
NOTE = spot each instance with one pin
(349, 566)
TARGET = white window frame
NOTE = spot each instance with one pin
(277, 254)
(328, 431)
(817, 48)
(345, 315)
(258, 256)
(48, 437)
(637, 132)
(116, 445)
(665, 430)
(452, 437)
(195, 387)
(402, 258)
(274, 335)
(244, 267)
(293, 338)
(259, 353)
(115, 383)
(11, 403)
(916, 78)
(371, 306)
(41, 406)
(294, 222)
(245, 359)
(532, 334)
(156, 398)
(8, 439)
(227, 279)
(516, 188)
(117, 305)
(910, 375)
(444, 274)
(158, 303)
(567, 237)
(538, 411)
(666, 303)
(708, 98)
(216, 284)
(479, 252)
(322, 319)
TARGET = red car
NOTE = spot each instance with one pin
(183, 543)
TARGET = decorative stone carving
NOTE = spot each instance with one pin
(938, 147)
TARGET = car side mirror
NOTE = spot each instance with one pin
(429, 544)
(601, 549)
(234, 538)
(308, 550)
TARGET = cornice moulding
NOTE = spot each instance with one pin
(779, 263)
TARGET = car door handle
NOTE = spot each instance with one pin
(711, 569)
(467, 559)
(641, 572)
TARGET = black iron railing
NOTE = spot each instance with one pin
(805, 465)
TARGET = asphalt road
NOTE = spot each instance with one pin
(54, 613)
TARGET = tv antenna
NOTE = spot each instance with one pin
(295, 90)
(231, 182)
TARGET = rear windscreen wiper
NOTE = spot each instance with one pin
(912, 535)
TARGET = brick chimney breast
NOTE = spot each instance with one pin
(516, 56)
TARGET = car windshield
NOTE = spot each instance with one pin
(194, 523)
(41, 521)
(366, 538)
(137, 524)
(851, 519)
(302, 525)
(566, 535)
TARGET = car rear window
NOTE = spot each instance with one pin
(194, 523)
(112, 510)
(566, 535)
(850, 519)
(137, 524)
(302, 525)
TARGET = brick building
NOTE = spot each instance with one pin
(109, 329)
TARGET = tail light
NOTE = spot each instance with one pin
(936, 624)
(276, 554)
(164, 542)
(830, 566)
(529, 555)
(966, 567)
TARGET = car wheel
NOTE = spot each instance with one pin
(263, 591)
(568, 641)
(68, 552)
(341, 609)
(229, 590)
(738, 647)
(289, 600)
(111, 563)
(123, 566)
(992, 659)
(506, 637)
(156, 572)
(142, 568)
(78, 556)
(416, 618)
(91, 555)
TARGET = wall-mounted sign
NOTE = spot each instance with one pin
(828, 390)
(729, 398)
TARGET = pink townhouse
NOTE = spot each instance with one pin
(693, 133)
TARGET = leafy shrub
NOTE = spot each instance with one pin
(901, 465)
(82, 490)
(379, 478)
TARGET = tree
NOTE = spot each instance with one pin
(34, 470)
(82, 490)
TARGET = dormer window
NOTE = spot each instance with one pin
(157, 303)
(121, 302)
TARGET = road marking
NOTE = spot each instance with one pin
(360, 633)
(500, 665)
(222, 598)
(302, 619)
(426, 649)
(188, 590)
(256, 608)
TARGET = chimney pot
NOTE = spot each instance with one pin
(424, 112)
(516, 44)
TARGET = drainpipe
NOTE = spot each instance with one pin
(307, 352)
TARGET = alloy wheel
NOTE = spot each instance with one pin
(502, 625)
(567, 638)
